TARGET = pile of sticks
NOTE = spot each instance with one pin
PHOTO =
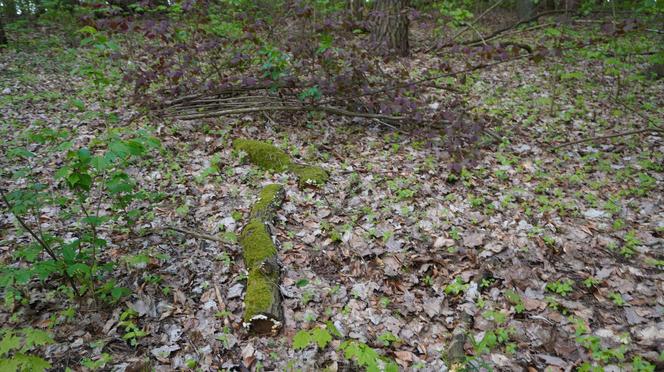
(200, 106)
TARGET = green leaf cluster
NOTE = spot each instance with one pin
(15, 346)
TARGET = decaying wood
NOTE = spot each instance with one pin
(263, 311)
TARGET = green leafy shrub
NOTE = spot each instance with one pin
(359, 352)
(90, 177)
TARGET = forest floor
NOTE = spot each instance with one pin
(543, 257)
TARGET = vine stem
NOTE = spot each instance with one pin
(39, 240)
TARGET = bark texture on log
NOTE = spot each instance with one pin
(391, 26)
(263, 313)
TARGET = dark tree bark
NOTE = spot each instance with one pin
(356, 7)
(3, 36)
(10, 9)
(391, 26)
(525, 9)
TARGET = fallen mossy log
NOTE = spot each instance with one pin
(262, 313)
(271, 158)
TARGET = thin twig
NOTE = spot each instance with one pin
(478, 34)
(328, 109)
(475, 21)
(504, 29)
(195, 234)
(614, 135)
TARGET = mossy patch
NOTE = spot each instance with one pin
(269, 157)
(256, 243)
(263, 154)
(308, 175)
(269, 196)
(259, 297)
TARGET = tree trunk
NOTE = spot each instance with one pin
(355, 7)
(391, 26)
(10, 9)
(525, 9)
(3, 36)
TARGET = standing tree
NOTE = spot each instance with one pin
(525, 9)
(356, 7)
(3, 36)
(9, 9)
(391, 25)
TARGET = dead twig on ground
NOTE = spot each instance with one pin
(462, 31)
(498, 32)
(292, 108)
(194, 234)
(608, 136)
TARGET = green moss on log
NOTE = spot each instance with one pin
(263, 154)
(256, 243)
(310, 175)
(269, 197)
(269, 157)
(259, 298)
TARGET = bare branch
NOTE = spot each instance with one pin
(614, 135)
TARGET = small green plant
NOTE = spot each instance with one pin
(496, 316)
(476, 202)
(456, 286)
(591, 282)
(387, 338)
(275, 63)
(516, 300)
(640, 365)
(427, 280)
(384, 302)
(491, 339)
(594, 346)
(318, 336)
(191, 363)
(367, 357)
(455, 233)
(561, 287)
(16, 345)
(487, 282)
(90, 177)
(549, 240)
(97, 364)
(654, 262)
(630, 242)
(132, 331)
(617, 298)
(361, 353)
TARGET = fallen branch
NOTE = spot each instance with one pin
(328, 109)
(474, 21)
(194, 234)
(263, 313)
(502, 30)
(608, 136)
